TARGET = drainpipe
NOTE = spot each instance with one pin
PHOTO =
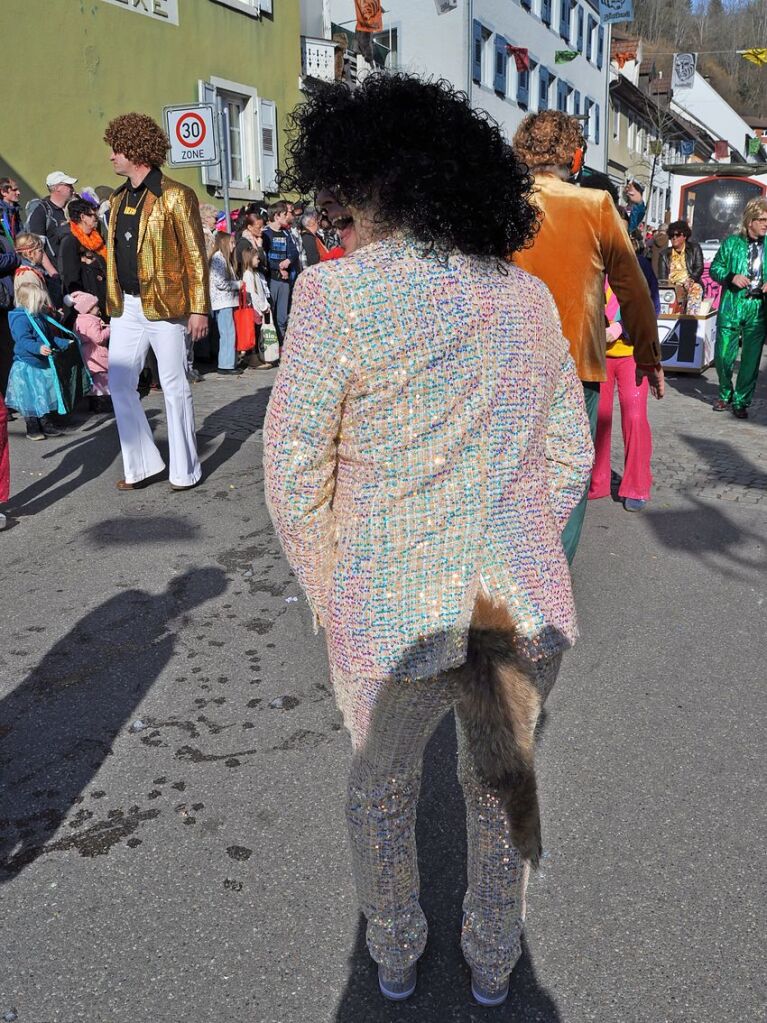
(470, 49)
(606, 116)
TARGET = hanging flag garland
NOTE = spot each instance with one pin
(721, 150)
(521, 57)
(683, 72)
(622, 58)
(564, 56)
(756, 56)
(687, 147)
(616, 10)
(754, 146)
(369, 15)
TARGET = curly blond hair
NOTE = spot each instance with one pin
(139, 138)
(755, 208)
(548, 139)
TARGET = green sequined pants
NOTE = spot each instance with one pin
(751, 333)
(390, 724)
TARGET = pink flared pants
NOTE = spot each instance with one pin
(637, 437)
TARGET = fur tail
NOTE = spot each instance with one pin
(499, 707)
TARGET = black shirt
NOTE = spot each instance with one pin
(127, 226)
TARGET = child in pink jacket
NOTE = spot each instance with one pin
(94, 334)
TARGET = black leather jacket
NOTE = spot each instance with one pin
(693, 257)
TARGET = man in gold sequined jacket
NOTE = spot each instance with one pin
(157, 296)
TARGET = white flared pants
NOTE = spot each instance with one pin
(131, 338)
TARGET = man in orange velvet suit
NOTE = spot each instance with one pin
(581, 238)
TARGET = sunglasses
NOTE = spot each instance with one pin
(677, 234)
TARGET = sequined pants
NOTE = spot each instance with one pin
(390, 724)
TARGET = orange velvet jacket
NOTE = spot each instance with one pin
(581, 238)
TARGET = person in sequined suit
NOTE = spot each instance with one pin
(425, 442)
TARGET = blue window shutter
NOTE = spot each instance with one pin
(596, 123)
(476, 53)
(579, 44)
(523, 88)
(501, 58)
(543, 89)
(589, 36)
(527, 4)
(601, 48)
(576, 102)
(564, 19)
(562, 96)
(546, 12)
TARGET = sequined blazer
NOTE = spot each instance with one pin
(172, 266)
(426, 436)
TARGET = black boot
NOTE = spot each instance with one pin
(34, 429)
(49, 428)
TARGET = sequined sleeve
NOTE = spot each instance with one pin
(301, 430)
(569, 448)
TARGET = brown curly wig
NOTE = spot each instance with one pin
(548, 139)
(137, 137)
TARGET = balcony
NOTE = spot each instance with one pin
(318, 59)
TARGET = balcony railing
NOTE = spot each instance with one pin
(318, 59)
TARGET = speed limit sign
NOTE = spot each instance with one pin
(192, 134)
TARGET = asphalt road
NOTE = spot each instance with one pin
(173, 764)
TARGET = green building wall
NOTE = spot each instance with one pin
(69, 66)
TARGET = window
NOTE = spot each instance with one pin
(476, 53)
(576, 102)
(544, 79)
(579, 20)
(251, 7)
(596, 123)
(234, 113)
(588, 125)
(600, 47)
(546, 11)
(384, 49)
(591, 26)
(616, 116)
(563, 95)
(564, 19)
(248, 130)
(523, 87)
(632, 134)
(482, 56)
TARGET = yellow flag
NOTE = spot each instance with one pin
(756, 56)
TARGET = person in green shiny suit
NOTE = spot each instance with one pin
(740, 267)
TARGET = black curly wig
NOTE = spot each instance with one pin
(416, 157)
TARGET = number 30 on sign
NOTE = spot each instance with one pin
(192, 134)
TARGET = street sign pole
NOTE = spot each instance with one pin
(225, 162)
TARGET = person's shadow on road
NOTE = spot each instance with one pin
(234, 423)
(59, 724)
(86, 456)
(443, 991)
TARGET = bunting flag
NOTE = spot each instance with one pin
(683, 72)
(721, 150)
(756, 56)
(687, 147)
(754, 146)
(521, 56)
(622, 58)
(616, 10)
(369, 15)
(656, 147)
(564, 56)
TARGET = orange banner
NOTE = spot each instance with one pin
(369, 15)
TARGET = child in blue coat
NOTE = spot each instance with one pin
(32, 386)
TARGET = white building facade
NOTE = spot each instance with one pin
(466, 42)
